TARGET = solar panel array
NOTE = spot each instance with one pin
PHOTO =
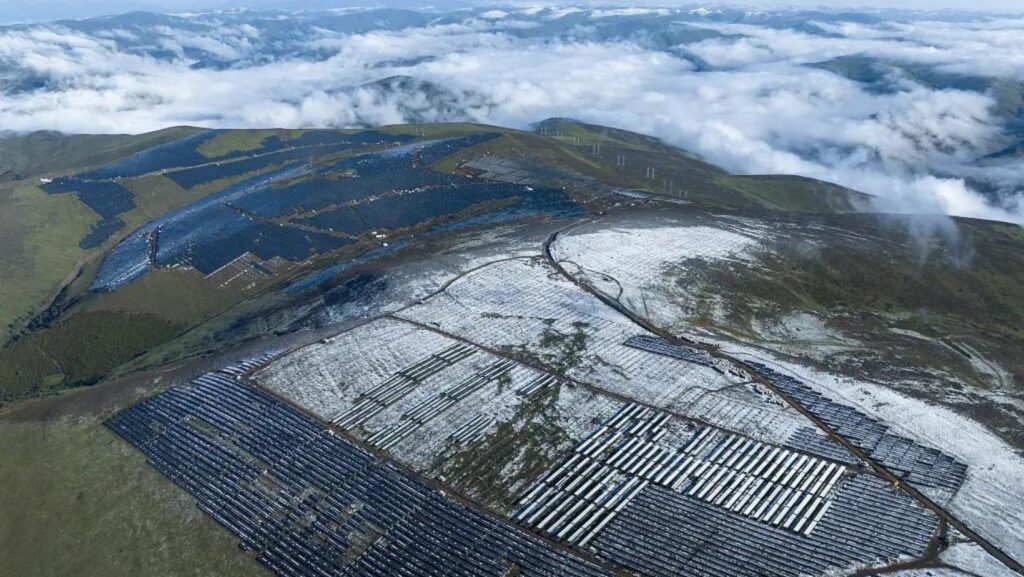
(177, 153)
(99, 232)
(811, 440)
(435, 405)
(308, 502)
(501, 170)
(106, 198)
(576, 500)
(472, 431)
(99, 190)
(770, 484)
(918, 464)
(181, 233)
(249, 365)
(358, 178)
(211, 172)
(184, 153)
(264, 240)
(385, 190)
(406, 209)
(374, 401)
(278, 152)
(536, 384)
(662, 533)
(653, 344)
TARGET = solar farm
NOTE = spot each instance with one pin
(442, 401)
(290, 199)
(483, 431)
(268, 215)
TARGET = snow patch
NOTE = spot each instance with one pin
(991, 500)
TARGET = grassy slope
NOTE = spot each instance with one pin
(106, 330)
(39, 249)
(241, 141)
(78, 500)
(865, 286)
(155, 195)
(78, 351)
(794, 193)
(681, 174)
(40, 153)
(144, 314)
(183, 297)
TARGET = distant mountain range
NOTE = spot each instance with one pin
(364, 67)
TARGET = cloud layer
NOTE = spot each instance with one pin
(910, 110)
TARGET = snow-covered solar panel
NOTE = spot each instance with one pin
(342, 489)
(920, 465)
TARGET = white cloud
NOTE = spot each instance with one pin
(760, 109)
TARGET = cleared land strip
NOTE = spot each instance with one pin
(761, 379)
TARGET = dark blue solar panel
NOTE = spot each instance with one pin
(181, 152)
(397, 188)
(100, 232)
(277, 152)
(106, 198)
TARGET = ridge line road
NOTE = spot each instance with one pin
(673, 339)
(849, 445)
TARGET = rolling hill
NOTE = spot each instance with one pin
(151, 235)
(543, 274)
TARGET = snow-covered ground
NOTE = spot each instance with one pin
(514, 302)
(802, 329)
(495, 400)
(406, 276)
(630, 262)
(577, 413)
(525, 305)
(973, 559)
(326, 377)
(997, 376)
(640, 254)
(991, 500)
(962, 560)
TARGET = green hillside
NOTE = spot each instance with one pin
(59, 334)
(47, 152)
(926, 314)
(631, 160)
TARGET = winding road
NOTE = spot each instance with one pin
(878, 467)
